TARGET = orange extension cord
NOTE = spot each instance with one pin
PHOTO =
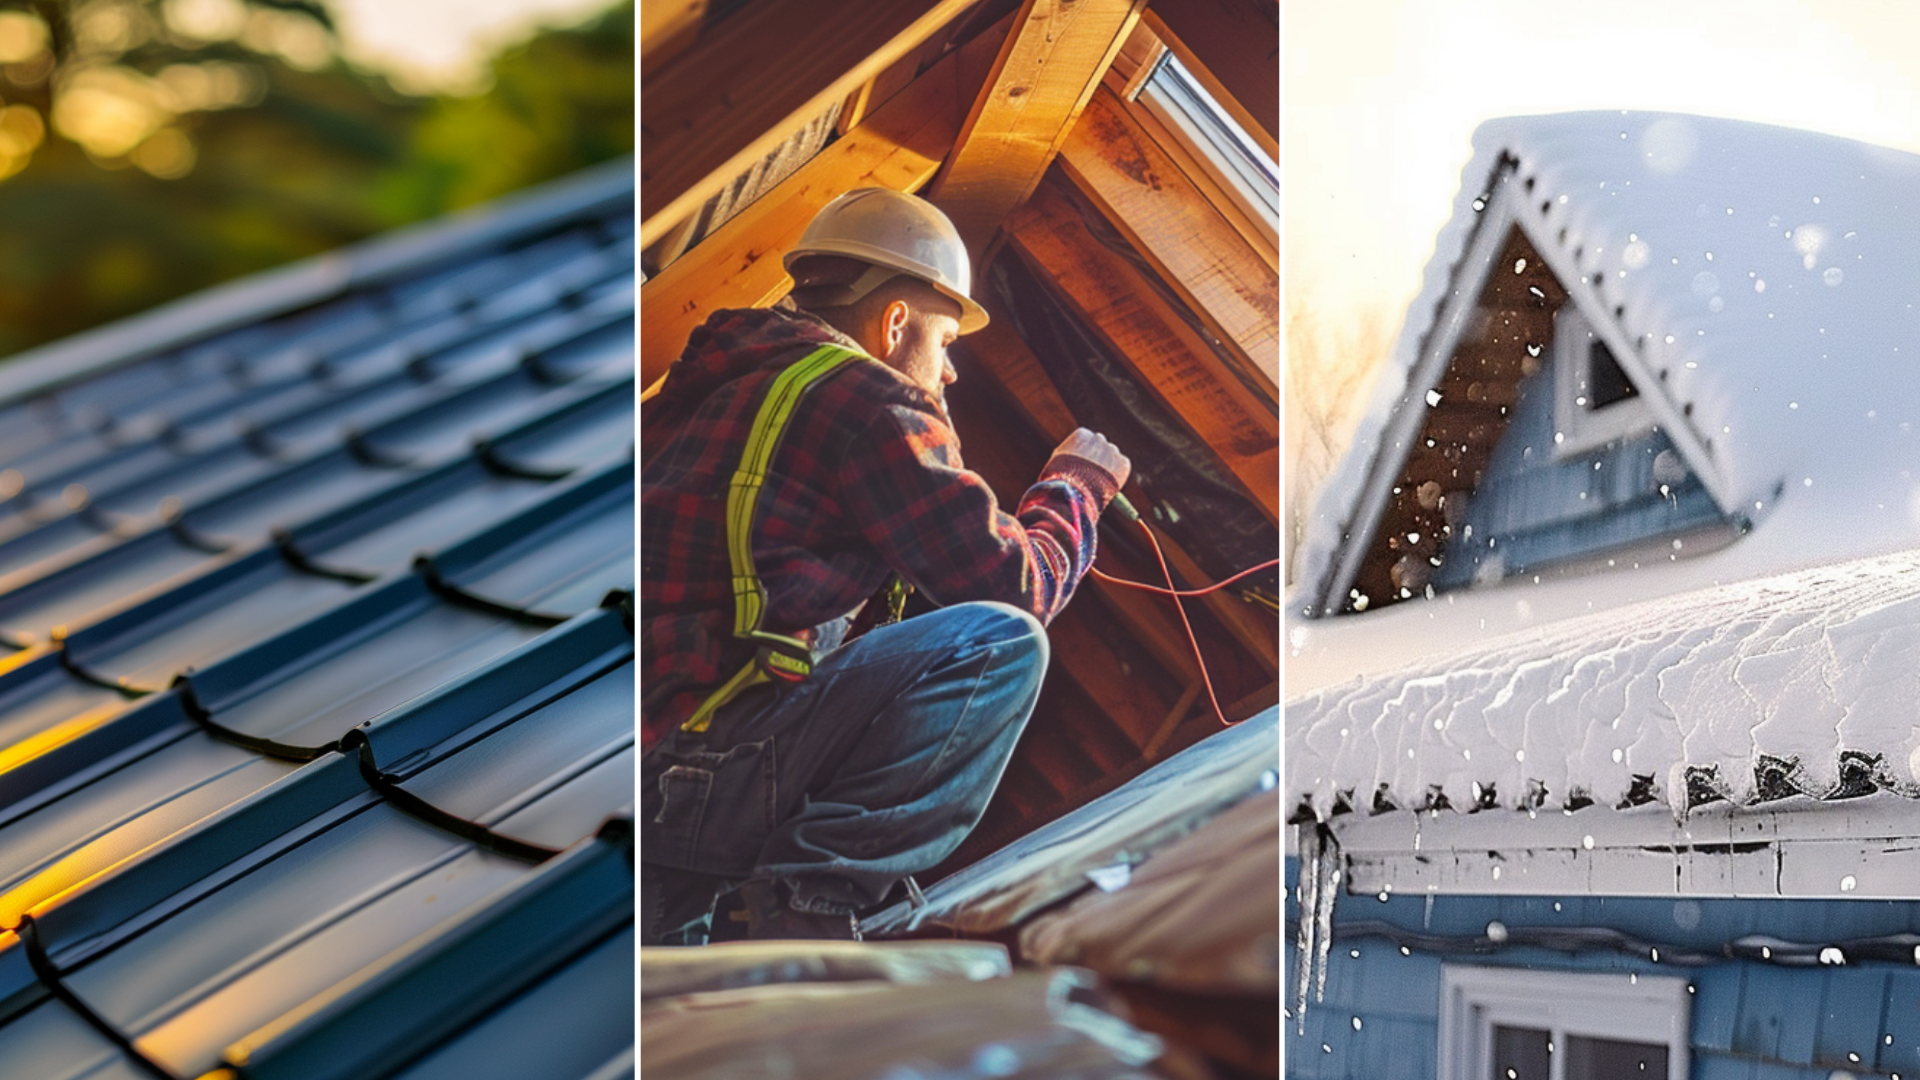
(1176, 594)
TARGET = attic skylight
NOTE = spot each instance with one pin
(1177, 99)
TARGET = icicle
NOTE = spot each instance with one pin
(1319, 884)
(1328, 888)
(1309, 906)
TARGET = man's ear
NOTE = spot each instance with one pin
(893, 323)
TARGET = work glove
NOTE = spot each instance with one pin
(1094, 449)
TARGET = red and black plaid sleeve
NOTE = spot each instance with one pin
(939, 526)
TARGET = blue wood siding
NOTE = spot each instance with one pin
(1751, 1020)
(1531, 511)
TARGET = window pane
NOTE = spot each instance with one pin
(1520, 1053)
(1612, 1059)
(1606, 382)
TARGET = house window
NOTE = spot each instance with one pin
(1511, 1024)
(1595, 403)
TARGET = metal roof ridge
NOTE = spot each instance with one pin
(285, 288)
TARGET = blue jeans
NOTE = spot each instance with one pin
(874, 768)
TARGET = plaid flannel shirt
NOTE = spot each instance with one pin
(867, 481)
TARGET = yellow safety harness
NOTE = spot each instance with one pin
(777, 656)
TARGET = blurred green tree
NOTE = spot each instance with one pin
(558, 103)
(149, 148)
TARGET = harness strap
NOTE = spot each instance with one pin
(778, 657)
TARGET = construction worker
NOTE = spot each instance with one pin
(802, 463)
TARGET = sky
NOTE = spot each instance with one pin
(444, 44)
(1380, 101)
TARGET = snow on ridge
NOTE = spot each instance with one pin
(1772, 278)
(1801, 670)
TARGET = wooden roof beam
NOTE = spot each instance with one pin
(1233, 48)
(1114, 299)
(667, 27)
(1049, 67)
(1143, 192)
(899, 146)
(731, 96)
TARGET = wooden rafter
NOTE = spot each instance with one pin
(902, 72)
(1115, 300)
(667, 27)
(1136, 61)
(900, 146)
(1143, 192)
(752, 78)
(1043, 77)
(1233, 48)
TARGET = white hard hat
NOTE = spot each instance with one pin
(901, 232)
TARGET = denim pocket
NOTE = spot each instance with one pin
(715, 808)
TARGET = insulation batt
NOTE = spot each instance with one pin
(1772, 277)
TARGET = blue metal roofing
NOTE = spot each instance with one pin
(316, 667)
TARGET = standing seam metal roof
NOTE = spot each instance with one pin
(316, 700)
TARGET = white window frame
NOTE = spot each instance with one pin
(1605, 1004)
(1577, 428)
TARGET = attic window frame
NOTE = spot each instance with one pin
(1578, 426)
(1174, 96)
(1650, 1009)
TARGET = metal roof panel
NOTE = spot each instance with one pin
(392, 1009)
(202, 1020)
(566, 1028)
(53, 1043)
(567, 566)
(566, 812)
(232, 492)
(59, 845)
(343, 869)
(537, 758)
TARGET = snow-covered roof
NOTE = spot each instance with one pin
(1769, 280)
(1793, 684)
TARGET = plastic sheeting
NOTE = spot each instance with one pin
(1202, 915)
(668, 972)
(1103, 840)
(1034, 1024)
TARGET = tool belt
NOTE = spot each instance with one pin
(777, 658)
